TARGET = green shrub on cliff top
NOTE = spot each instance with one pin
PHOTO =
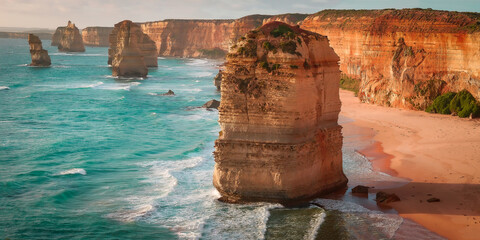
(464, 104)
(282, 30)
(268, 46)
(441, 104)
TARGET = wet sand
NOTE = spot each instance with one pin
(440, 155)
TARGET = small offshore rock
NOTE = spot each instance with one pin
(212, 104)
(360, 189)
(433, 199)
(384, 198)
(169, 93)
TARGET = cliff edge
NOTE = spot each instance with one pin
(404, 58)
(279, 139)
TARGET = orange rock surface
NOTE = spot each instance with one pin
(96, 36)
(39, 55)
(125, 54)
(404, 58)
(280, 141)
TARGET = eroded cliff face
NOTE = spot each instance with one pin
(204, 38)
(57, 36)
(146, 46)
(125, 54)
(280, 141)
(404, 58)
(39, 55)
(96, 36)
(71, 40)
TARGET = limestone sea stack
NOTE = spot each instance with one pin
(71, 40)
(279, 140)
(146, 46)
(57, 36)
(39, 55)
(126, 59)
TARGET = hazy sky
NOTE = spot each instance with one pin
(53, 13)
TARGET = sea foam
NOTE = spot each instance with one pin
(4, 88)
(73, 171)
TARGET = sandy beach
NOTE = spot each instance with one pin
(439, 154)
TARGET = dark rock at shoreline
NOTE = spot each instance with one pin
(212, 104)
(384, 198)
(360, 189)
(39, 55)
(217, 81)
(169, 93)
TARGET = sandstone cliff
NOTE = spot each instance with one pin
(39, 55)
(96, 36)
(57, 36)
(404, 58)
(204, 38)
(71, 40)
(280, 141)
(125, 54)
(146, 46)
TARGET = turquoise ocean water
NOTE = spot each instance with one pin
(84, 155)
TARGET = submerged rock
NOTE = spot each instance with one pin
(212, 104)
(38, 54)
(434, 199)
(127, 58)
(71, 40)
(360, 189)
(384, 198)
(169, 93)
(279, 139)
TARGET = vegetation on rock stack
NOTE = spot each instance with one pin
(462, 104)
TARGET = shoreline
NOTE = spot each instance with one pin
(438, 154)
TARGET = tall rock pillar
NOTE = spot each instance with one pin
(71, 40)
(124, 53)
(39, 55)
(279, 140)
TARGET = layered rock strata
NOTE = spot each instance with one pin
(39, 55)
(146, 46)
(126, 57)
(96, 36)
(71, 40)
(404, 58)
(279, 139)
